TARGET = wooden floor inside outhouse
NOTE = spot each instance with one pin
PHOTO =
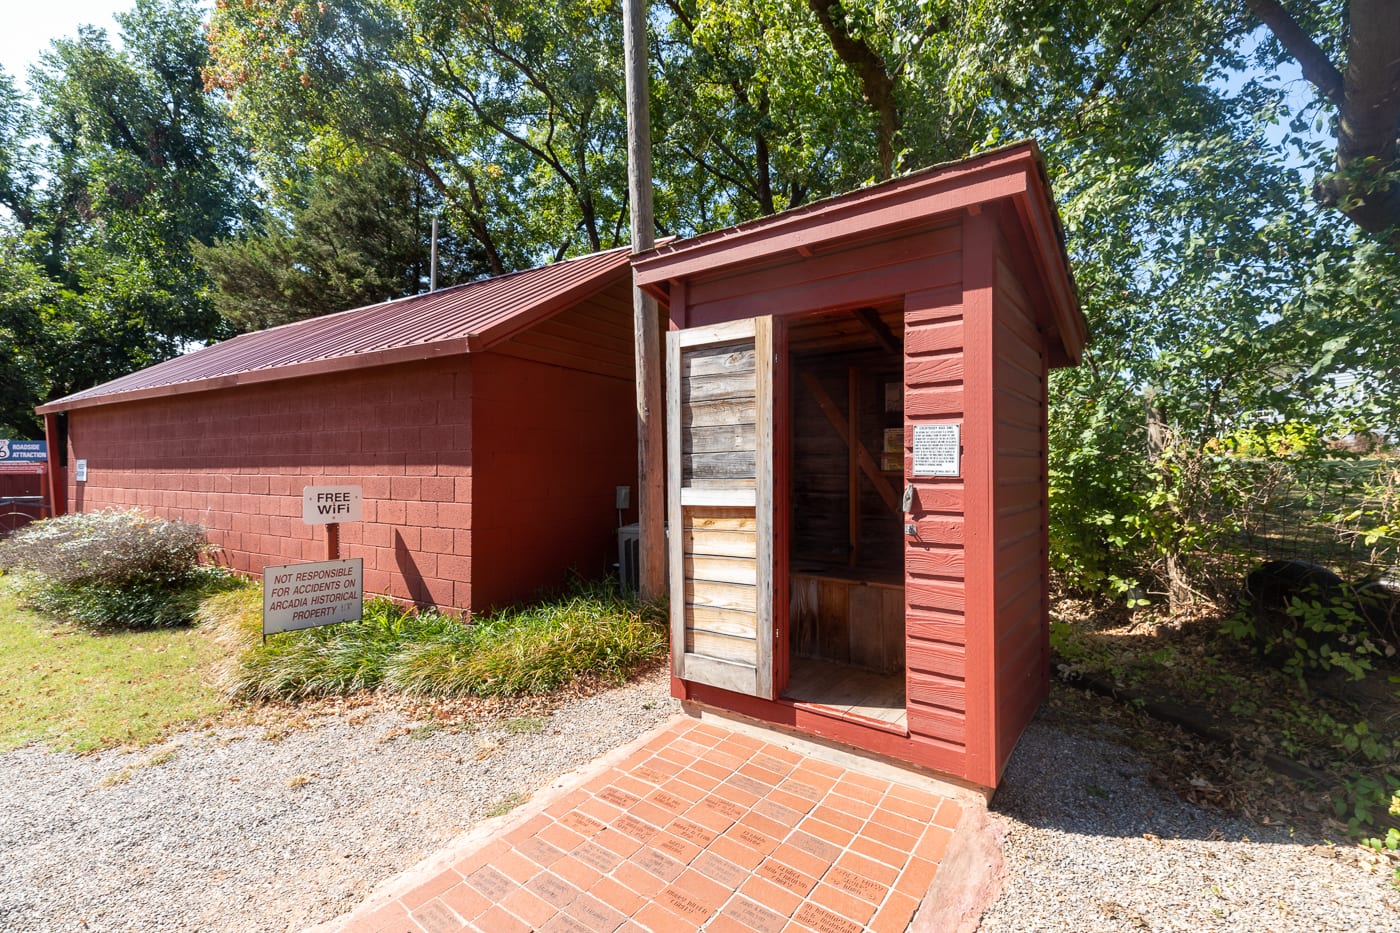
(848, 691)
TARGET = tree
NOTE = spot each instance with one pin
(1350, 52)
(132, 162)
(755, 115)
(17, 174)
(1213, 281)
(359, 236)
(513, 112)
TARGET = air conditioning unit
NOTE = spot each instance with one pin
(629, 557)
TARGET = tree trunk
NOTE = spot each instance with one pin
(877, 85)
(1366, 185)
(1179, 593)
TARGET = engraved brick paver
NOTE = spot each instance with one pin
(596, 857)
(466, 902)
(435, 917)
(754, 916)
(720, 869)
(701, 828)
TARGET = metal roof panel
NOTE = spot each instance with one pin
(471, 316)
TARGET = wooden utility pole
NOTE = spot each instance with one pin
(432, 260)
(651, 498)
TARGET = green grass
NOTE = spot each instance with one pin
(76, 691)
(591, 633)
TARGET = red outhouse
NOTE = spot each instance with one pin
(856, 429)
(488, 425)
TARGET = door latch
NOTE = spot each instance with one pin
(908, 503)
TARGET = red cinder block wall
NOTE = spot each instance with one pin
(552, 445)
(235, 461)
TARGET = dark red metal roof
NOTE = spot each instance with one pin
(461, 319)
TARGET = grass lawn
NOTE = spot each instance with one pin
(75, 691)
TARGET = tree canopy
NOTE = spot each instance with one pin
(1232, 227)
(123, 161)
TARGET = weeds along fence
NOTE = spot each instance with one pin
(1340, 512)
(1222, 515)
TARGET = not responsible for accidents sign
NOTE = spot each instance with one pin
(323, 505)
(301, 596)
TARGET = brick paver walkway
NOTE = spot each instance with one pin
(702, 827)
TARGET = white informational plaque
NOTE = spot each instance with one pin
(937, 450)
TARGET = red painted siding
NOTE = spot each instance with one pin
(935, 564)
(1020, 512)
(978, 466)
(22, 484)
(235, 461)
(863, 275)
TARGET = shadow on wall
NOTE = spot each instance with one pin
(413, 579)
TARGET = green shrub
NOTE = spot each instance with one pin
(1309, 629)
(114, 569)
(140, 605)
(112, 548)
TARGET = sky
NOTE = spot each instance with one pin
(30, 25)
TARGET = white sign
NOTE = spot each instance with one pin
(322, 505)
(301, 596)
(80, 471)
(937, 450)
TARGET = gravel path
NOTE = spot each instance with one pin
(227, 830)
(1091, 845)
(230, 830)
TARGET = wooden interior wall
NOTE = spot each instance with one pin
(935, 574)
(1020, 512)
(846, 620)
(822, 468)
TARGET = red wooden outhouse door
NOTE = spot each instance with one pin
(720, 504)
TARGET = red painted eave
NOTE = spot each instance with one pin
(1015, 173)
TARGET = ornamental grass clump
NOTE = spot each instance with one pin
(334, 660)
(590, 633)
(111, 569)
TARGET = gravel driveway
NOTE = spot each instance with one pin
(228, 830)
